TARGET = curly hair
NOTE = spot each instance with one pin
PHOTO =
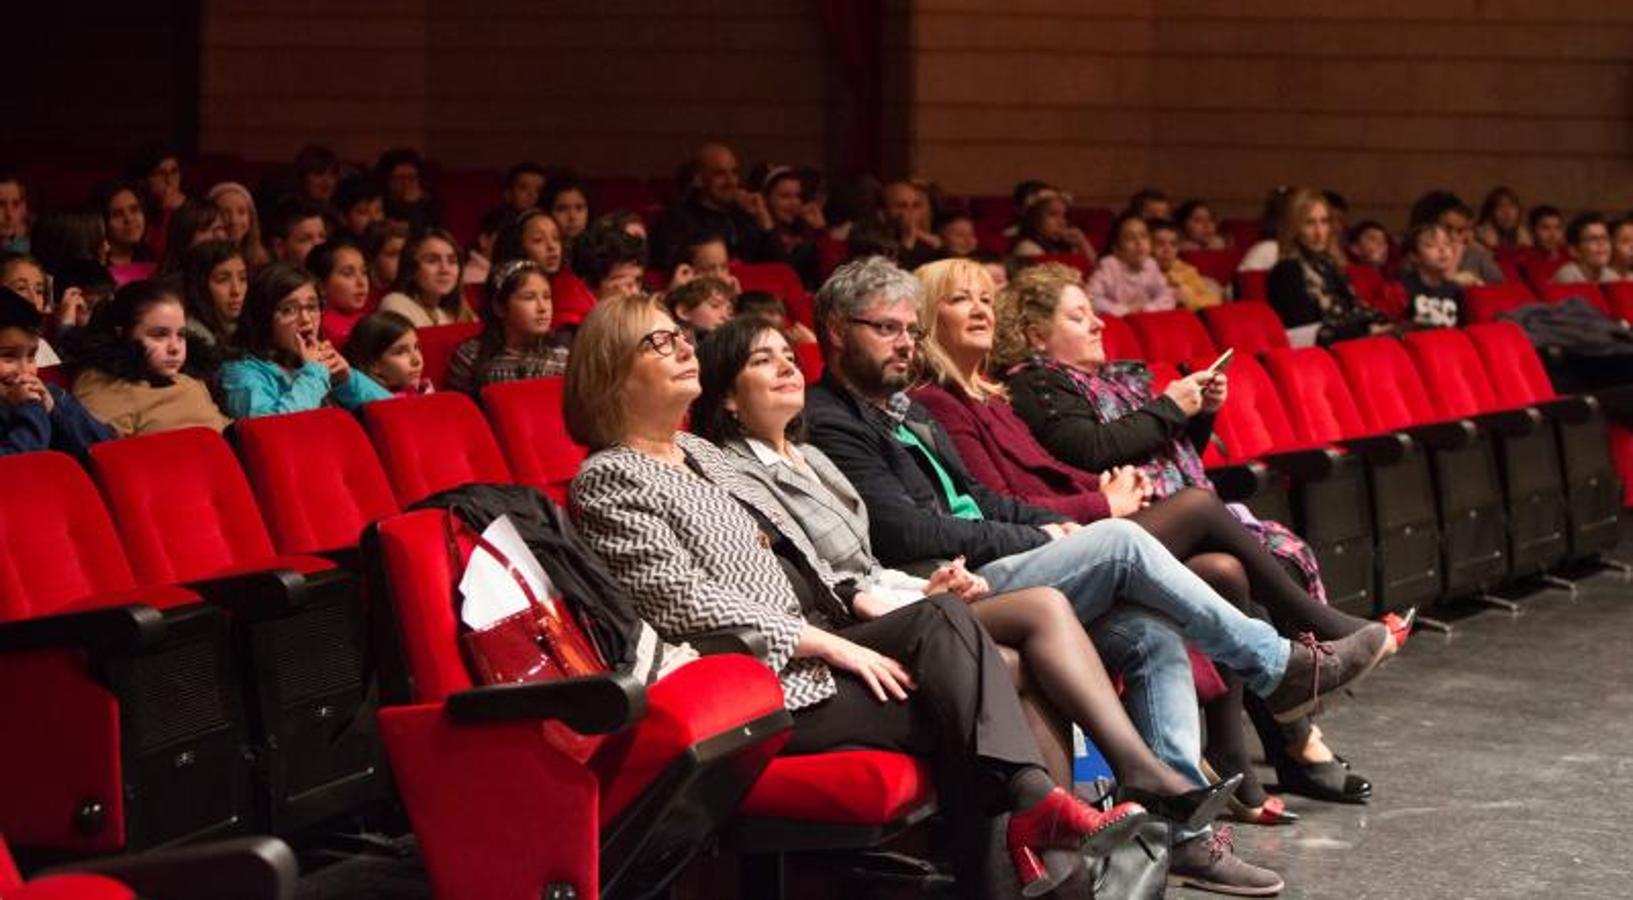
(1028, 302)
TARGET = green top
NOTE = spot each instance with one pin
(962, 505)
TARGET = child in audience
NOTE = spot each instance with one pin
(479, 261)
(383, 245)
(81, 285)
(1589, 239)
(523, 184)
(567, 201)
(702, 255)
(427, 290)
(611, 262)
(1198, 228)
(135, 361)
(1547, 226)
(215, 279)
(35, 415)
(24, 275)
(343, 277)
(1434, 299)
(401, 173)
(1044, 230)
(1151, 203)
(1621, 247)
(958, 237)
(156, 169)
(515, 339)
(193, 223)
(287, 365)
(317, 172)
(1501, 225)
(386, 347)
(531, 235)
(237, 208)
(1191, 288)
(1128, 280)
(360, 203)
(125, 223)
(768, 306)
(14, 218)
(701, 305)
(1368, 245)
(295, 227)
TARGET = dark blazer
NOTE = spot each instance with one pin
(909, 518)
(1066, 423)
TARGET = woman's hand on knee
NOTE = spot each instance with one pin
(885, 677)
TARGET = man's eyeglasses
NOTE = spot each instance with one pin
(889, 329)
(662, 341)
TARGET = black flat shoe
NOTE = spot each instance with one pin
(1330, 781)
(1193, 809)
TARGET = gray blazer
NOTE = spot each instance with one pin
(693, 559)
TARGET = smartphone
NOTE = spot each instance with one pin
(1222, 363)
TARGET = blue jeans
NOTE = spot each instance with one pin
(1115, 558)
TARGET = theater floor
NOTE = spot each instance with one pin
(1501, 758)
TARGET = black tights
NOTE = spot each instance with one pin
(1193, 522)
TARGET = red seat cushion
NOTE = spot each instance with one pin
(1250, 326)
(1315, 395)
(1120, 340)
(1452, 372)
(433, 442)
(1513, 368)
(1252, 422)
(316, 476)
(683, 710)
(1384, 383)
(1171, 336)
(860, 787)
(57, 543)
(528, 422)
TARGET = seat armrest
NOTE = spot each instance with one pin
(255, 595)
(1305, 465)
(1240, 481)
(1452, 435)
(1617, 402)
(598, 704)
(250, 868)
(1511, 422)
(747, 641)
(348, 558)
(132, 626)
(1380, 449)
(1572, 410)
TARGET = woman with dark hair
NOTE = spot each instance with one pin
(386, 347)
(568, 202)
(287, 366)
(515, 339)
(124, 222)
(343, 279)
(698, 546)
(136, 376)
(214, 278)
(192, 224)
(428, 290)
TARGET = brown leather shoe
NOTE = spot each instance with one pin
(1317, 667)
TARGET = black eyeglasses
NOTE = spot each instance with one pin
(889, 329)
(662, 341)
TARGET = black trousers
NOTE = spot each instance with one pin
(964, 715)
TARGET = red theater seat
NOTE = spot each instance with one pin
(317, 479)
(1220, 265)
(1120, 340)
(1488, 301)
(1250, 326)
(437, 345)
(1172, 336)
(527, 420)
(1539, 271)
(1555, 292)
(432, 443)
(243, 869)
(1619, 295)
(779, 279)
(1253, 285)
(810, 361)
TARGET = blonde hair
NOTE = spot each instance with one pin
(1028, 302)
(603, 353)
(1299, 204)
(940, 280)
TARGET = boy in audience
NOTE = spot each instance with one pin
(1368, 245)
(35, 415)
(318, 170)
(768, 306)
(1445, 209)
(523, 183)
(1434, 300)
(703, 255)
(1151, 203)
(296, 226)
(1547, 226)
(1589, 238)
(701, 305)
(13, 213)
(1191, 288)
(957, 233)
(360, 203)
(610, 261)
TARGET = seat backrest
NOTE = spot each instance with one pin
(1314, 393)
(1220, 265)
(1253, 284)
(1557, 292)
(1619, 295)
(431, 443)
(316, 477)
(418, 575)
(810, 361)
(1513, 368)
(528, 421)
(1384, 383)
(1453, 375)
(1251, 326)
(182, 505)
(1488, 301)
(1171, 336)
(1253, 421)
(1539, 270)
(1120, 340)
(780, 279)
(437, 345)
(57, 542)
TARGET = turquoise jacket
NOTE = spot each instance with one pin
(258, 387)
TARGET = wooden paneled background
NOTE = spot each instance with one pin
(1219, 98)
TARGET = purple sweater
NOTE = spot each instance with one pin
(1000, 451)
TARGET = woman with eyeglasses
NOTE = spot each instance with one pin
(287, 366)
(700, 546)
(515, 339)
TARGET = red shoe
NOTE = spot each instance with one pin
(1400, 627)
(1063, 821)
(1272, 812)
